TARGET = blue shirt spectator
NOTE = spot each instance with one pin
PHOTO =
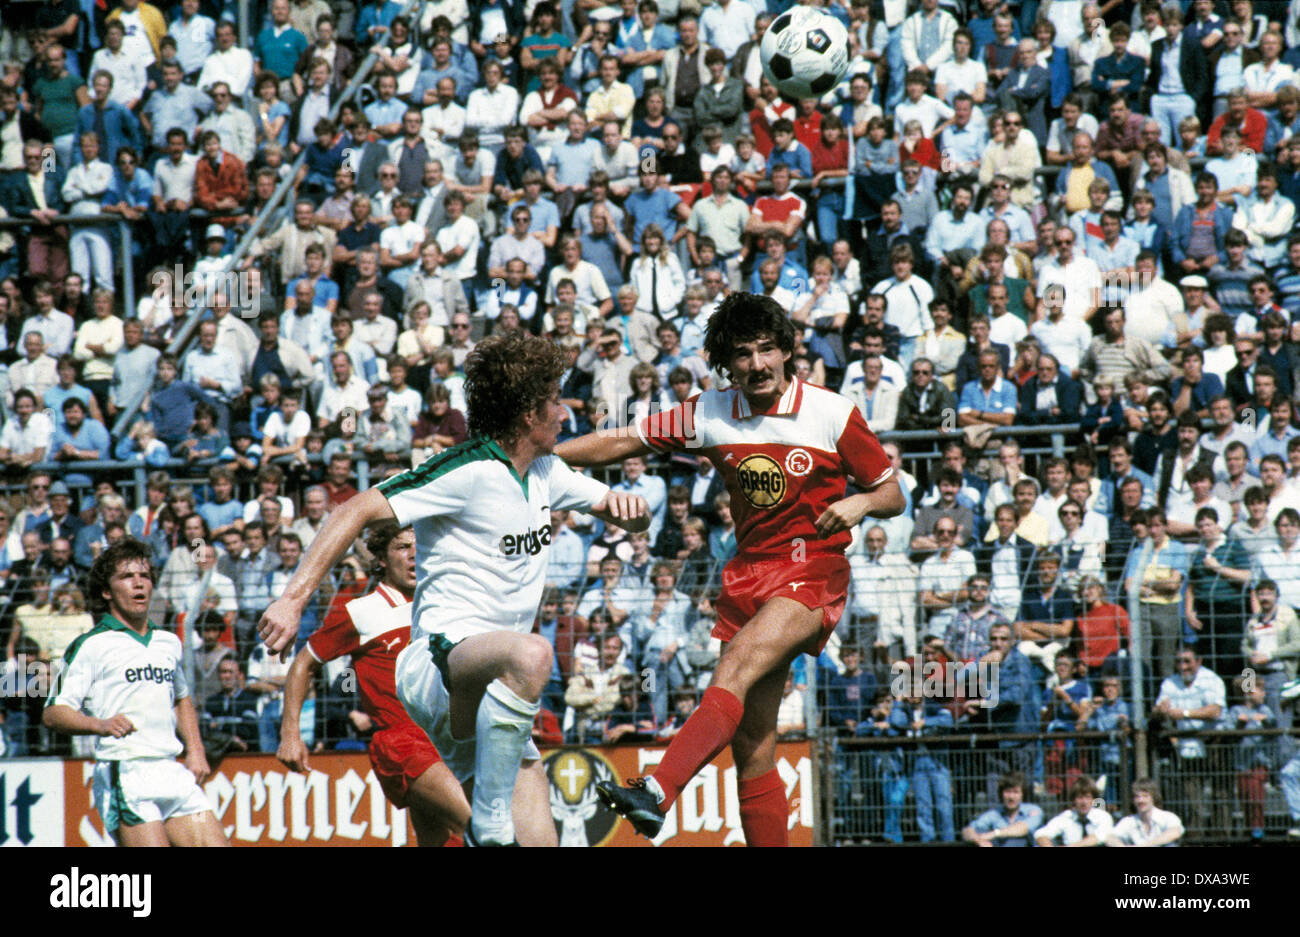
(654, 207)
(1000, 398)
(278, 48)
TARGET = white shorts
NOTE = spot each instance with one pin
(145, 790)
(422, 691)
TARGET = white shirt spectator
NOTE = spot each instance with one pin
(461, 233)
(945, 575)
(1078, 278)
(278, 433)
(1131, 831)
(56, 328)
(172, 181)
(1068, 828)
(442, 127)
(930, 111)
(1067, 339)
(335, 399)
(586, 276)
(1060, 139)
(491, 112)
(379, 333)
(23, 440)
(129, 73)
(727, 27)
(234, 67)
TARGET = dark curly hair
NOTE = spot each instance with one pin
(507, 376)
(124, 551)
(377, 541)
(743, 317)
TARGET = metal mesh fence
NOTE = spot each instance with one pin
(1093, 679)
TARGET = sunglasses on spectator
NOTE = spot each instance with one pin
(460, 325)
(922, 371)
(1000, 185)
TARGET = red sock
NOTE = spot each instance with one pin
(707, 732)
(764, 812)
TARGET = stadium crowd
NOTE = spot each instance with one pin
(1007, 215)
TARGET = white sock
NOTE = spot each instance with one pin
(503, 727)
(653, 787)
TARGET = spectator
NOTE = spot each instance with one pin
(1192, 698)
(1085, 824)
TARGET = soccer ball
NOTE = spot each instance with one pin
(805, 52)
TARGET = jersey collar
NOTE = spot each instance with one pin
(500, 454)
(114, 624)
(787, 405)
(393, 596)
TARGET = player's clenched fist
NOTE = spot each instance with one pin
(196, 762)
(628, 510)
(116, 726)
(842, 515)
(279, 625)
(292, 753)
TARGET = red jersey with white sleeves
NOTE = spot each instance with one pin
(784, 467)
(374, 629)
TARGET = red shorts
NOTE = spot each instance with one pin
(399, 755)
(820, 581)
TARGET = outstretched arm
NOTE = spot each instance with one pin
(602, 447)
(279, 625)
(626, 510)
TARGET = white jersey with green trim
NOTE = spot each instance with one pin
(482, 535)
(112, 670)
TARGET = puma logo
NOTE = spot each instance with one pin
(388, 645)
(794, 586)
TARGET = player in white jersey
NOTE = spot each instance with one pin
(374, 629)
(122, 681)
(473, 674)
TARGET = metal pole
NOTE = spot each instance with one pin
(139, 478)
(128, 268)
(1137, 659)
(242, 21)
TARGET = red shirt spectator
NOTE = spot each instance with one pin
(808, 128)
(924, 153)
(1100, 627)
(218, 180)
(825, 158)
(1252, 124)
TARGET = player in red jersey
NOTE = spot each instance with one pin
(374, 629)
(785, 449)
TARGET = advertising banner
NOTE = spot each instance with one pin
(261, 803)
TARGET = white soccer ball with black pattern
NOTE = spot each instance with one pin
(805, 52)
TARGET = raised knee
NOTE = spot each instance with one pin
(532, 659)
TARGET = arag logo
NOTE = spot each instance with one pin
(580, 818)
(761, 481)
